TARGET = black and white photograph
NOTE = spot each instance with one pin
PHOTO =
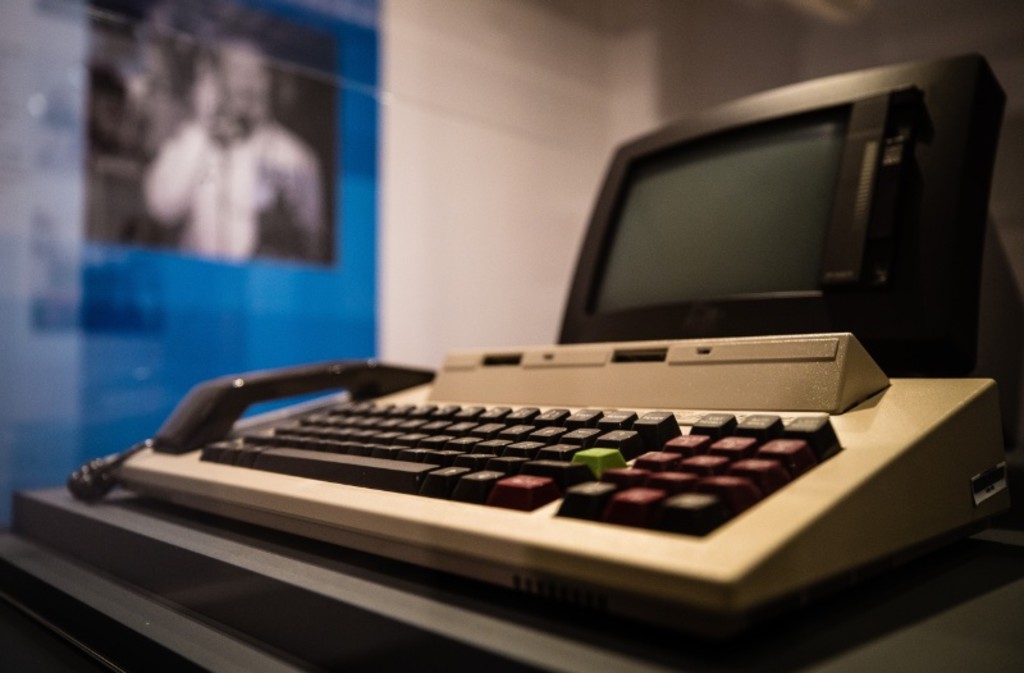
(195, 141)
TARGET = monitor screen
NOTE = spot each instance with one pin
(854, 203)
(741, 214)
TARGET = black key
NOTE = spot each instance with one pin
(476, 486)
(413, 455)
(440, 457)
(460, 429)
(436, 442)
(714, 426)
(247, 456)
(564, 474)
(492, 446)
(626, 441)
(300, 430)
(523, 449)
(548, 435)
(440, 483)
(581, 437)
(584, 418)
(423, 411)
(587, 500)
(410, 439)
(360, 448)
(516, 433)
(762, 427)
(446, 412)
(494, 414)
(401, 410)
(389, 423)
(487, 430)
(435, 426)
(616, 420)
(387, 437)
(221, 452)
(656, 428)
(388, 452)
(412, 424)
(558, 452)
(474, 461)
(508, 465)
(464, 444)
(551, 417)
(692, 513)
(817, 431)
(379, 409)
(363, 435)
(468, 413)
(522, 416)
(331, 446)
(387, 475)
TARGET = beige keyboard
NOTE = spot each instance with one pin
(700, 485)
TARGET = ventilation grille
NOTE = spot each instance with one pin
(561, 592)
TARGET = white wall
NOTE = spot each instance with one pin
(493, 129)
(500, 115)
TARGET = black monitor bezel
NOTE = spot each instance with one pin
(923, 320)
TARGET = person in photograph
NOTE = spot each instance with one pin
(232, 180)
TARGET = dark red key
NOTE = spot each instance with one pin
(705, 466)
(523, 492)
(795, 455)
(658, 461)
(734, 448)
(688, 445)
(634, 507)
(738, 493)
(625, 477)
(672, 482)
(767, 474)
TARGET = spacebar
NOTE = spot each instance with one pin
(380, 473)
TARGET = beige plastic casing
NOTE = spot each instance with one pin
(903, 480)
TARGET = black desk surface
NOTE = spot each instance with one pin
(145, 586)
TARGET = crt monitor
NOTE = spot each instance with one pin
(851, 203)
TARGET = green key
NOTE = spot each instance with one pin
(599, 460)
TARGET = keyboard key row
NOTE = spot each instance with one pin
(654, 428)
(616, 467)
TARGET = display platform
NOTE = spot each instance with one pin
(131, 580)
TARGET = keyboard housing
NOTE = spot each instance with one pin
(921, 463)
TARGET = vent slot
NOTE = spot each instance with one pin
(640, 355)
(561, 592)
(503, 360)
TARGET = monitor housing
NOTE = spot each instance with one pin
(854, 203)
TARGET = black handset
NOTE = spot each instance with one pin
(210, 409)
